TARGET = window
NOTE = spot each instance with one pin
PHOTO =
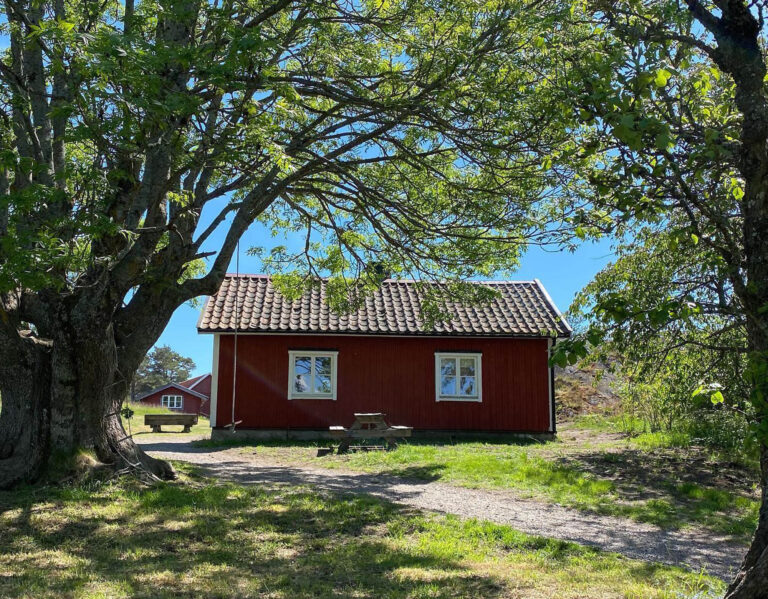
(174, 402)
(312, 375)
(458, 377)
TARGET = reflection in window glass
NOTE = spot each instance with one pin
(448, 366)
(322, 383)
(468, 366)
(448, 385)
(323, 365)
(303, 373)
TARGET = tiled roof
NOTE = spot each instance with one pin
(523, 309)
(194, 381)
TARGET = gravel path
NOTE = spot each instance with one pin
(689, 548)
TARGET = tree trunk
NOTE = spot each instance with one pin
(25, 413)
(751, 582)
(63, 395)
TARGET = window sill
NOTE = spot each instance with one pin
(327, 397)
(463, 399)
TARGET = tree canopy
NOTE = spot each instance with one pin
(162, 365)
(381, 131)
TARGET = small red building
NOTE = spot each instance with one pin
(297, 367)
(190, 397)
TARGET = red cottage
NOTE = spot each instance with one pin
(298, 368)
(190, 397)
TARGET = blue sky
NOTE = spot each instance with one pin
(562, 273)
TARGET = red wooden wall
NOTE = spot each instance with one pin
(386, 374)
(204, 386)
(191, 405)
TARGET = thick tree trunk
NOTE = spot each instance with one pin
(63, 395)
(25, 414)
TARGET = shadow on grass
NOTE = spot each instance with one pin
(673, 490)
(217, 540)
(425, 473)
(200, 539)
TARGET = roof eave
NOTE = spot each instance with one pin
(542, 335)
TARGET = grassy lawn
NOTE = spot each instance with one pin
(138, 427)
(196, 538)
(590, 470)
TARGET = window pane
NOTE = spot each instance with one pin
(322, 383)
(303, 365)
(448, 366)
(302, 373)
(323, 365)
(468, 386)
(323, 374)
(468, 367)
(447, 385)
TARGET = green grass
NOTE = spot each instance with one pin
(200, 539)
(626, 477)
(138, 427)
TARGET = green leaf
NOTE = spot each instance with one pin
(662, 76)
(663, 141)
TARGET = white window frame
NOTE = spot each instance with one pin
(478, 357)
(292, 393)
(165, 401)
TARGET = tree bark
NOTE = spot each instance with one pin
(739, 53)
(751, 582)
(25, 414)
(62, 395)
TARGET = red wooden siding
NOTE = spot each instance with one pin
(204, 386)
(385, 374)
(191, 404)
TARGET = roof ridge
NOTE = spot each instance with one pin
(178, 386)
(232, 275)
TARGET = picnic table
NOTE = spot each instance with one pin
(369, 426)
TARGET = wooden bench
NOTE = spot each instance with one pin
(158, 420)
(369, 426)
